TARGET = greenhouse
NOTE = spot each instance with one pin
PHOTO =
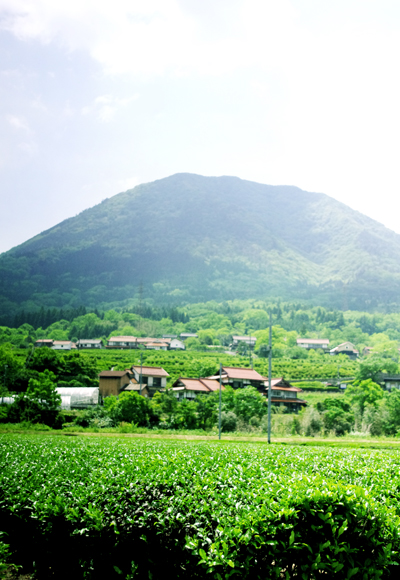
(78, 397)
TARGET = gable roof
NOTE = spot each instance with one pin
(312, 341)
(113, 374)
(204, 385)
(122, 339)
(151, 371)
(240, 373)
(345, 346)
(292, 389)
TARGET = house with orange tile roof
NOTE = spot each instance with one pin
(185, 388)
(154, 377)
(283, 393)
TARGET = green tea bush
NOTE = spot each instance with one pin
(155, 510)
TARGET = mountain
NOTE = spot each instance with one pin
(190, 238)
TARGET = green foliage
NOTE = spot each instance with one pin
(373, 366)
(228, 421)
(43, 391)
(336, 415)
(252, 241)
(39, 404)
(249, 403)
(185, 416)
(362, 393)
(204, 510)
(132, 408)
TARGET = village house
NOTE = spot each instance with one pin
(116, 382)
(345, 348)
(89, 343)
(63, 345)
(147, 342)
(283, 394)
(157, 345)
(310, 343)
(44, 342)
(241, 377)
(155, 378)
(122, 342)
(186, 335)
(176, 344)
(389, 382)
(249, 340)
(184, 388)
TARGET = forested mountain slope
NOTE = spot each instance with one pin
(190, 238)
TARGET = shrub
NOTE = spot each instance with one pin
(228, 421)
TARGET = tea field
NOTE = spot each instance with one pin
(194, 364)
(95, 508)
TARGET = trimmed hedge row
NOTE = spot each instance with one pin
(106, 509)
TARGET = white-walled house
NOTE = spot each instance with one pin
(176, 344)
(249, 340)
(154, 377)
(63, 345)
(89, 343)
(345, 348)
(122, 342)
(157, 345)
(309, 343)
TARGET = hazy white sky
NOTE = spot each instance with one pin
(96, 97)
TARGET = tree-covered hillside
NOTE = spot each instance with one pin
(189, 238)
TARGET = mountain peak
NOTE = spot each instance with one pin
(192, 238)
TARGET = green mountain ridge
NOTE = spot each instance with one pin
(189, 238)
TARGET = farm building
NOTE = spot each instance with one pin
(112, 382)
(78, 397)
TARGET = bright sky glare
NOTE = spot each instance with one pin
(96, 97)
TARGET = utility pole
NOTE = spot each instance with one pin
(220, 388)
(140, 305)
(269, 377)
(140, 378)
(250, 359)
